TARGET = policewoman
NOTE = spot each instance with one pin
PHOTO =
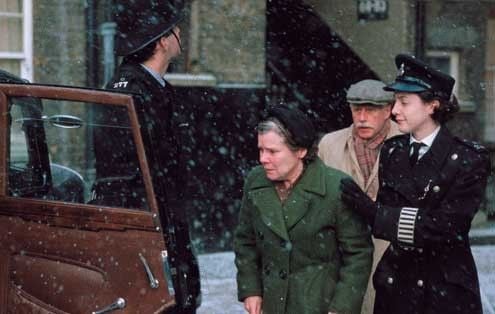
(431, 185)
(298, 248)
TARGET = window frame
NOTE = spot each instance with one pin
(454, 57)
(25, 57)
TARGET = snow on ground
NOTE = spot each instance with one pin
(220, 290)
(485, 262)
(218, 286)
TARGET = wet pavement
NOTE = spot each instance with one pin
(219, 286)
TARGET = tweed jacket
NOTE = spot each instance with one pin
(336, 149)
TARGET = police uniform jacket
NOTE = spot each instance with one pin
(426, 212)
(158, 118)
(309, 255)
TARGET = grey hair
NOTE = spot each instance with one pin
(273, 124)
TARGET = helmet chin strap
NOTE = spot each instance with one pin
(177, 38)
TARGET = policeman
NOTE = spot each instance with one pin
(148, 38)
(431, 185)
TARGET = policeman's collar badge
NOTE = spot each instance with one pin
(401, 70)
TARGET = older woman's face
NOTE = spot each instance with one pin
(278, 160)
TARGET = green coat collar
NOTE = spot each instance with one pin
(265, 198)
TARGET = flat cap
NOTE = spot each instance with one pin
(369, 92)
(415, 76)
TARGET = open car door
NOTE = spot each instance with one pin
(79, 234)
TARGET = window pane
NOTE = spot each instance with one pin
(10, 5)
(11, 34)
(74, 152)
(12, 66)
(18, 145)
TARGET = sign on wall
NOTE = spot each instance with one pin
(372, 9)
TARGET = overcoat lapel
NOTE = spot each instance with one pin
(299, 201)
(266, 200)
(428, 170)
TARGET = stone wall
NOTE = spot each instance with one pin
(59, 42)
(376, 42)
(228, 40)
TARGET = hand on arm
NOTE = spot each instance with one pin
(253, 304)
(357, 200)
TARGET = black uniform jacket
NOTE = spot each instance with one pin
(159, 123)
(156, 113)
(425, 212)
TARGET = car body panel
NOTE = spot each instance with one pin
(73, 256)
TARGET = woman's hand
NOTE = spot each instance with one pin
(253, 304)
(357, 200)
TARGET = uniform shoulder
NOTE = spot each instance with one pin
(390, 144)
(128, 78)
(472, 145)
(396, 140)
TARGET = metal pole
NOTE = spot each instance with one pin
(107, 31)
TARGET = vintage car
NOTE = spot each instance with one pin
(65, 248)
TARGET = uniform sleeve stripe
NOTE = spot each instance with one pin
(407, 221)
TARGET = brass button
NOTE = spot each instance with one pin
(436, 189)
(420, 283)
(390, 280)
(454, 156)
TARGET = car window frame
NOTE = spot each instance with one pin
(85, 216)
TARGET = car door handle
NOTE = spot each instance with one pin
(117, 305)
(153, 281)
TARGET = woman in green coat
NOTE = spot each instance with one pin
(298, 248)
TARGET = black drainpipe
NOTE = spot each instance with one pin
(91, 45)
(419, 49)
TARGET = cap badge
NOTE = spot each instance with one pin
(401, 70)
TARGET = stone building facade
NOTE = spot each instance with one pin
(240, 56)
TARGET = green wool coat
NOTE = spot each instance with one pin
(310, 255)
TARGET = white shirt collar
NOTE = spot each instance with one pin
(428, 141)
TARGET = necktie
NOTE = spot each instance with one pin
(413, 158)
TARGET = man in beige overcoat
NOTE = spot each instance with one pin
(355, 149)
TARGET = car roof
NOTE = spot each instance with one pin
(6, 77)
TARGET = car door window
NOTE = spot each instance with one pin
(73, 151)
(73, 207)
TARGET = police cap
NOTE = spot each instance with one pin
(140, 22)
(415, 76)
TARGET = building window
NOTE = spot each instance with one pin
(447, 62)
(16, 37)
